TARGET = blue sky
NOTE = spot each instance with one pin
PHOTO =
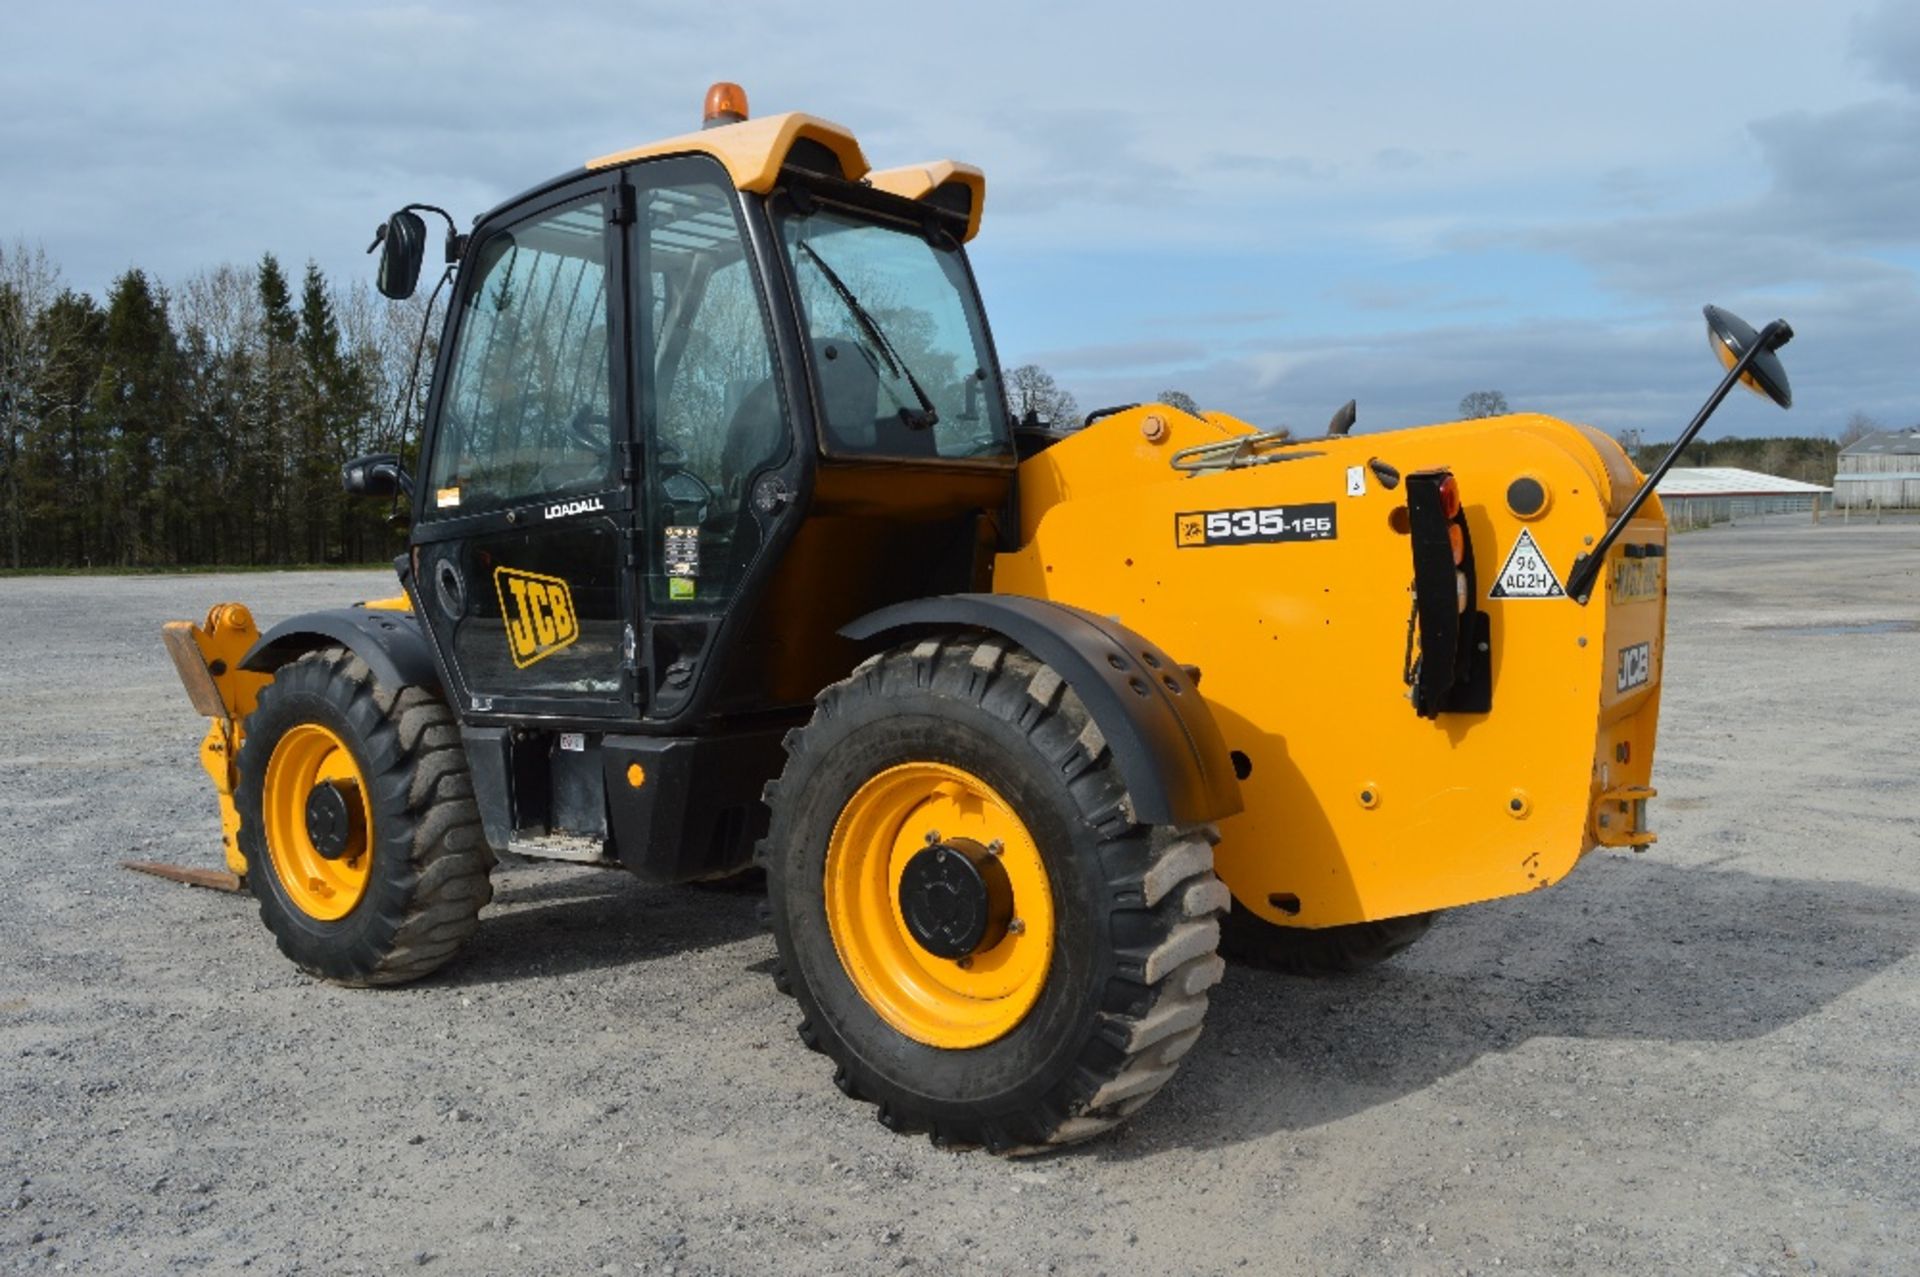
(1272, 207)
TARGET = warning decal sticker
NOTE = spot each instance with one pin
(1527, 575)
(683, 551)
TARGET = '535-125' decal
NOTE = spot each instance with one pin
(1258, 524)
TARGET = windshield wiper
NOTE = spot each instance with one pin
(927, 417)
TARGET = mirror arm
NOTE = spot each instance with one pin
(456, 242)
(402, 480)
(1587, 566)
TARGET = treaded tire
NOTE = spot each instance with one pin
(428, 879)
(1136, 908)
(1323, 951)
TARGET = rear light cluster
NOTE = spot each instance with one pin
(1449, 648)
(1456, 538)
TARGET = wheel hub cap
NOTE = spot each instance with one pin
(331, 808)
(955, 898)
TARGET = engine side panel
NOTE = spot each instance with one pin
(1297, 615)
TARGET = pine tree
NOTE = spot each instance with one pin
(274, 401)
(135, 405)
(67, 504)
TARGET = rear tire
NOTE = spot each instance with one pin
(1322, 951)
(1130, 950)
(408, 889)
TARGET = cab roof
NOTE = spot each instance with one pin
(754, 151)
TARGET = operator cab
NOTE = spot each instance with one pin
(697, 406)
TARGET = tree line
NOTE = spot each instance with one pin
(204, 423)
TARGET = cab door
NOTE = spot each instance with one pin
(522, 524)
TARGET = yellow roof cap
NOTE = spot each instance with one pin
(918, 181)
(753, 150)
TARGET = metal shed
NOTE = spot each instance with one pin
(1699, 495)
(1881, 470)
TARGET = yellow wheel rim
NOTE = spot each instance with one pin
(942, 1002)
(325, 889)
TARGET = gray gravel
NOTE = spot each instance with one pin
(1699, 1060)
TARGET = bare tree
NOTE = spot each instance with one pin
(1776, 458)
(33, 356)
(1858, 427)
(1482, 403)
(1182, 400)
(1032, 389)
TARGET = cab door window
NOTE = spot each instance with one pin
(713, 409)
(527, 412)
(534, 613)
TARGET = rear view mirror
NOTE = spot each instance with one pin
(376, 475)
(403, 245)
(1731, 337)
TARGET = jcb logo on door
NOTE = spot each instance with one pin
(538, 611)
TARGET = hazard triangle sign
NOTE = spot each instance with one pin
(1527, 574)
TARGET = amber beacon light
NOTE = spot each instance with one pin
(726, 104)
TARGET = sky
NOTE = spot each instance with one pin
(1272, 207)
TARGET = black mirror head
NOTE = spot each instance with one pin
(1730, 337)
(377, 474)
(403, 246)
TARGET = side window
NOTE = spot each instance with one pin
(527, 412)
(714, 410)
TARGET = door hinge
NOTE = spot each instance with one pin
(620, 208)
(629, 461)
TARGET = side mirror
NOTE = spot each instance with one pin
(1730, 337)
(377, 474)
(1750, 359)
(403, 246)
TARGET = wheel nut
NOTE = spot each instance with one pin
(1017, 927)
(933, 836)
(965, 962)
(996, 848)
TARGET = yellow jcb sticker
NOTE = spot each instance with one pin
(538, 612)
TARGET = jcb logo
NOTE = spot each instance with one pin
(538, 611)
(1636, 667)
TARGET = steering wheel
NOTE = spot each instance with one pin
(580, 433)
(684, 489)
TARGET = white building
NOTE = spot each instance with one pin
(1880, 470)
(1715, 494)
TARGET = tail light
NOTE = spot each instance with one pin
(1449, 662)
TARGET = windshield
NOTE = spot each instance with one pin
(899, 348)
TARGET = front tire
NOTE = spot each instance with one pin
(363, 843)
(1076, 1009)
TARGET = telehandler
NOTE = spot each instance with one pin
(725, 549)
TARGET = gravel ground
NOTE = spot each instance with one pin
(1699, 1060)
